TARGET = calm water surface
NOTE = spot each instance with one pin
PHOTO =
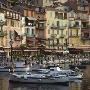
(84, 85)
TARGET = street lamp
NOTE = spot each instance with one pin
(11, 42)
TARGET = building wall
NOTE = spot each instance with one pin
(57, 27)
(12, 23)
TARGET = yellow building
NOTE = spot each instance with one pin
(79, 33)
(74, 30)
(56, 28)
(83, 14)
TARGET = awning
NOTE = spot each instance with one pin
(31, 18)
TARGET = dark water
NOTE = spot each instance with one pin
(84, 85)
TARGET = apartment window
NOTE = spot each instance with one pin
(32, 31)
(12, 23)
(61, 32)
(18, 24)
(70, 32)
(14, 16)
(84, 24)
(83, 8)
(48, 31)
(57, 23)
(10, 14)
(77, 24)
(17, 16)
(27, 32)
(83, 42)
(6, 22)
(65, 15)
(5, 13)
(56, 14)
(52, 31)
(86, 35)
(60, 15)
(41, 25)
(58, 31)
(76, 32)
(72, 14)
(31, 13)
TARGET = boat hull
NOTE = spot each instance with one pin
(39, 80)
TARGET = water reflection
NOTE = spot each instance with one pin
(4, 84)
(37, 87)
(75, 85)
(84, 85)
(86, 80)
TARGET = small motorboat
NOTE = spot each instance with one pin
(14, 67)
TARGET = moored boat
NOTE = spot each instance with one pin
(72, 75)
(40, 78)
(14, 67)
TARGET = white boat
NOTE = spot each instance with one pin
(40, 78)
(72, 75)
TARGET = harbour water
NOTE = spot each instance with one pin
(78, 85)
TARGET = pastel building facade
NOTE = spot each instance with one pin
(11, 25)
(56, 31)
(74, 30)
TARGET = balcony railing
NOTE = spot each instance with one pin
(84, 18)
(58, 27)
(85, 38)
(62, 36)
(74, 35)
(41, 28)
(62, 27)
(54, 27)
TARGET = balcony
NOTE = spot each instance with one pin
(62, 36)
(73, 35)
(40, 26)
(84, 18)
(85, 38)
(58, 27)
(62, 27)
(74, 26)
(85, 30)
(41, 19)
(54, 27)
